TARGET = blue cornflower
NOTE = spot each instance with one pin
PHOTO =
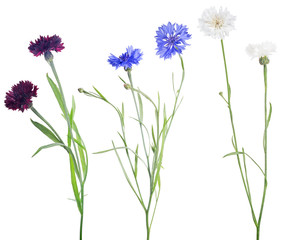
(127, 59)
(171, 39)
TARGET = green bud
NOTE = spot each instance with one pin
(80, 90)
(264, 60)
(127, 86)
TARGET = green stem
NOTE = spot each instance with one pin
(234, 136)
(148, 225)
(265, 151)
(81, 218)
(76, 161)
(66, 113)
(138, 115)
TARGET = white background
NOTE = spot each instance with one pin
(202, 195)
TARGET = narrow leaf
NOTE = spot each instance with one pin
(136, 161)
(269, 116)
(100, 94)
(48, 146)
(46, 131)
(141, 107)
(74, 184)
(238, 153)
(56, 93)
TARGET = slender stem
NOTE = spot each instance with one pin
(265, 151)
(81, 218)
(66, 113)
(148, 225)
(178, 93)
(234, 135)
(76, 162)
(138, 115)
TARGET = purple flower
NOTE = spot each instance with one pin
(127, 59)
(20, 96)
(171, 39)
(46, 44)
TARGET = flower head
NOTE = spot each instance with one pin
(44, 45)
(263, 50)
(216, 24)
(127, 59)
(20, 96)
(171, 39)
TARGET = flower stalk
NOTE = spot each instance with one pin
(75, 147)
(157, 146)
(263, 61)
(235, 144)
(265, 145)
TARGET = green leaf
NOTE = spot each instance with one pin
(100, 94)
(122, 80)
(136, 161)
(46, 131)
(141, 107)
(229, 91)
(233, 142)
(48, 146)
(74, 184)
(153, 136)
(56, 93)
(243, 153)
(72, 113)
(269, 116)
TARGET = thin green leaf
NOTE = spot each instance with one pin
(116, 148)
(48, 146)
(269, 116)
(238, 153)
(46, 131)
(122, 80)
(153, 136)
(72, 113)
(136, 161)
(74, 184)
(125, 174)
(140, 107)
(100, 94)
(56, 93)
(173, 84)
(233, 142)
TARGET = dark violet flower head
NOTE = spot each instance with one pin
(171, 39)
(127, 59)
(44, 45)
(20, 96)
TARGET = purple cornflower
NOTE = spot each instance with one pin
(20, 96)
(171, 39)
(127, 59)
(46, 44)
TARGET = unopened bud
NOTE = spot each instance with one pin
(264, 60)
(127, 86)
(80, 90)
(48, 56)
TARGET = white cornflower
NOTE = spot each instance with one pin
(260, 50)
(216, 24)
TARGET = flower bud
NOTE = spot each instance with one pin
(127, 86)
(264, 60)
(48, 56)
(80, 90)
